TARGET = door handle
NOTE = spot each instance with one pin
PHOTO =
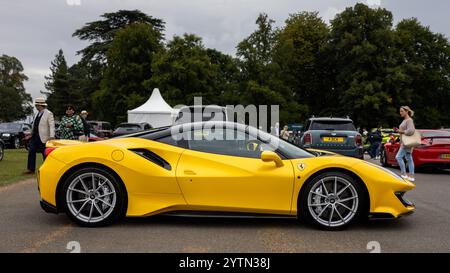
(189, 172)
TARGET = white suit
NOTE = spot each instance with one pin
(46, 126)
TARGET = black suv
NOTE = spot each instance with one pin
(337, 135)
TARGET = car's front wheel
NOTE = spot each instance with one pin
(331, 201)
(93, 197)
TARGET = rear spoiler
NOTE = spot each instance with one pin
(431, 138)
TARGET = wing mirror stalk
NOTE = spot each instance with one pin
(268, 156)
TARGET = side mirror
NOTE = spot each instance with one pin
(268, 156)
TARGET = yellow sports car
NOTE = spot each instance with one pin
(214, 168)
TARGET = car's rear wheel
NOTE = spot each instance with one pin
(93, 197)
(383, 158)
(331, 201)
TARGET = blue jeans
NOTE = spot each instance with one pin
(402, 153)
(374, 149)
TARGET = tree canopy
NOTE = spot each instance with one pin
(360, 65)
(15, 103)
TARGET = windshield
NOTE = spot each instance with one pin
(285, 148)
(10, 126)
(332, 125)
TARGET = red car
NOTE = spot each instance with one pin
(434, 151)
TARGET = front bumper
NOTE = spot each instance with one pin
(8, 140)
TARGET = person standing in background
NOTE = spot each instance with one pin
(86, 126)
(71, 126)
(43, 131)
(285, 133)
(375, 139)
(406, 128)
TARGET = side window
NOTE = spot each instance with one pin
(170, 141)
(225, 142)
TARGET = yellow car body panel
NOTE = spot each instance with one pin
(380, 185)
(247, 184)
(205, 181)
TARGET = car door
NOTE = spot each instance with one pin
(230, 174)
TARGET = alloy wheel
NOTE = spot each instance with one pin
(91, 197)
(333, 201)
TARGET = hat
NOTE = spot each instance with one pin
(40, 101)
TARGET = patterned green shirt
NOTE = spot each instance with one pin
(73, 132)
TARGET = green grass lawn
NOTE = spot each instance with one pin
(14, 163)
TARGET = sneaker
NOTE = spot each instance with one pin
(412, 179)
(404, 176)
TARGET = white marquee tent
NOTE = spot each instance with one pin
(155, 111)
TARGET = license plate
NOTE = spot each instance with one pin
(333, 139)
(445, 156)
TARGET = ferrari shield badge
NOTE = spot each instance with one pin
(301, 166)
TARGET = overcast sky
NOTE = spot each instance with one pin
(33, 31)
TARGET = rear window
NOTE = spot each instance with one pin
(332, 125)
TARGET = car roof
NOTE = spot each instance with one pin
(192, 125)
(330, 118)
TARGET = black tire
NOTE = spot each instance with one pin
(118, 210)
(15, 144)
(383, 159)
(354, 215)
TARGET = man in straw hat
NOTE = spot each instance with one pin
(43, 130)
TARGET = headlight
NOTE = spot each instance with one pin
(6, 135)
(387, 171)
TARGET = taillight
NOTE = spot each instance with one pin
(358, 140)
(307, 139)
(49, 150)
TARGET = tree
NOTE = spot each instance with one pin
(125, 83)
(426, 61)
(15, 103)
(261, 82)
(299, 52)
(256, 51)
(101, 33)
(369, 81)
(60, 86)
(185, 70)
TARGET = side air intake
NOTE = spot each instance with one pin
(151, 156)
